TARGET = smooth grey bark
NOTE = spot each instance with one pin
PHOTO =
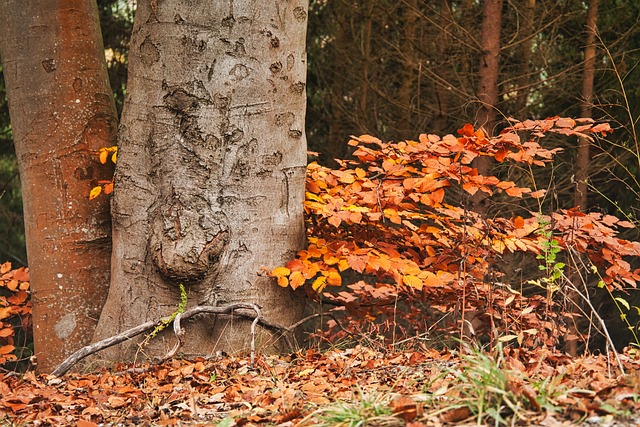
(211, 167)
(62, 111)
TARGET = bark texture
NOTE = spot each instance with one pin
(211, 166)
(62, 111)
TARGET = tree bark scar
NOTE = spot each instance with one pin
(186, 243)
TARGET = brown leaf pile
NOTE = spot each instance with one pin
(291, 390)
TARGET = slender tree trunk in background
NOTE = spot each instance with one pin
(488, 84)
(62, 111)
(525, 54)
(211, 168)
(366, 59)
(443, 67)
(582, 161)
(335, 146)
(406, 91)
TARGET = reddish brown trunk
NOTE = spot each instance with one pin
(582, 161)
(62, 110)
(405, 94)
(525, 54)
(443, 68)
(366, 58)
(488, 83)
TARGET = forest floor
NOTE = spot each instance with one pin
(348, 387)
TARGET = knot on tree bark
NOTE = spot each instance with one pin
(186, 242)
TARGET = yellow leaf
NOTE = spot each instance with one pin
(280, 271)
(412, 281)
(114, 158)
(95, 192)
(306, 372)
(498, 246)
(319, 284)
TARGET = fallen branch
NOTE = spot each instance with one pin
(85, 351)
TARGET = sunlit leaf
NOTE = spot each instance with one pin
(95, 192)
(412, 281)
(296, 279)
(334, 278)
(280, 271)
(319, 284)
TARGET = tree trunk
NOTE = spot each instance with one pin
(211, 166)
(488, 84)
(406, 92)
(443, 67)
(582, 161)
(365, 113)
(62, 111)
(524, 80)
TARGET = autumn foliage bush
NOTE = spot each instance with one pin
(394, 248)
(15, 314)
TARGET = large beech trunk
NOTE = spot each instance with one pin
(211, 166)
(62, 111)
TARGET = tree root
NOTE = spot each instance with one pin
(85, 351)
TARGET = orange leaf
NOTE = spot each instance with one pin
(565, 122)
(334, 278)
(518, 222)
(335, 221)
(296, 279)
(515, 191)
(283, 281)
(18, 298)
(467, 130)
(108, 188)
(470, 188)
(104, 153)
(501, 154)
(280, 271)
(12, 285)
(6, 267)
(6, 349)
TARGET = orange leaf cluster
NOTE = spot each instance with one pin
(15, 309)
(106, 185)
(389, 226)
